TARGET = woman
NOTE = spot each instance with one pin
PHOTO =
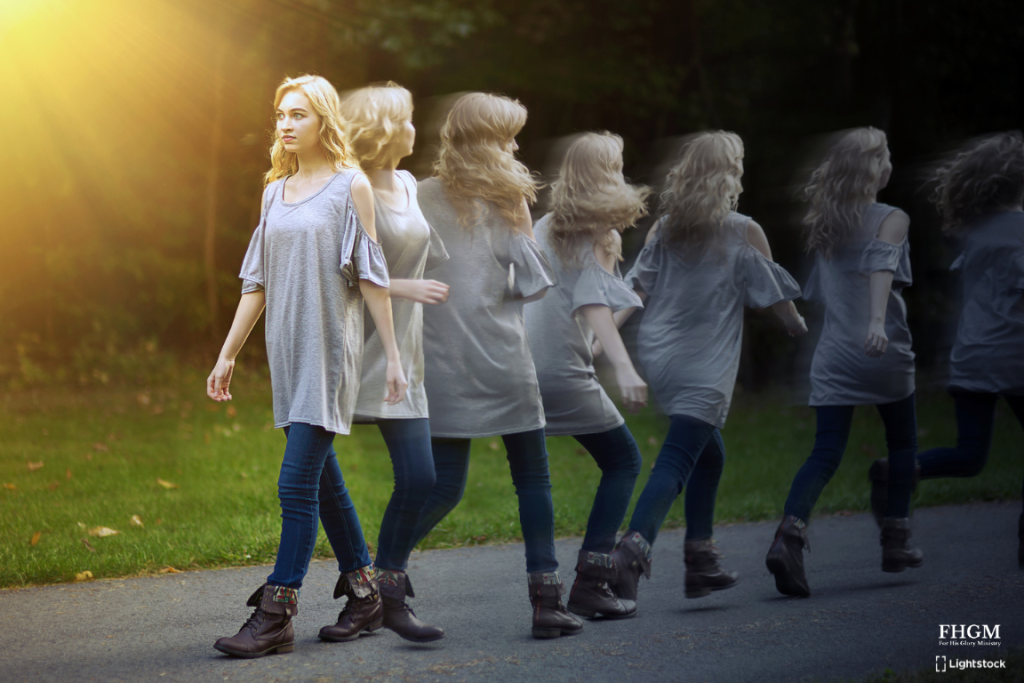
(862, 262)
(312, 262)
(479, 373)
(702, 263)
(980, 192)
(591, 204)
(378, 125)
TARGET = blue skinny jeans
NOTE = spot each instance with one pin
(408, 443)
(311, 486)
(692, 457)
(618, 456)
(975, 422)
(833, 432)
(528, 461)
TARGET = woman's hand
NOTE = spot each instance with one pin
(218, 381)
(877, 341)
(420, 291)
(596, 349)
(396, 383)
(631, 387)
(796, 327)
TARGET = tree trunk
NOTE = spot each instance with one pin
(212, 182)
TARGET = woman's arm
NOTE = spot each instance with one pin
(422, 291)
(632, 388)
(248, 312)
(377, 298)
(525, 226)
(785, 310)
(892, 230)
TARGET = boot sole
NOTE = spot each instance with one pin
(783, 583)
(704, 592)
(593, 614)
(279, 650)
(377, 625)
(553, 632)
(429, 639)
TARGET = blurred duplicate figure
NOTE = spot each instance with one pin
(979, 192)
(702, 263)
(480, 377)
(378, 124)
(312, 262)
(591, 204)
(862, 261)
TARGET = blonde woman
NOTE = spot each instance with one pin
(378, 124)
(862, 262)
(479, 372)
(591, 204)
(702, 263)
(312, 263)
(980, 193)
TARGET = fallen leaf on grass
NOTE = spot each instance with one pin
(135, 521)
(35, 538)
(232, 411)
(171, 570)
(493, 445)
(68, 475)
(10, 487)
(83, 576)
(88, 456)
(88, 546)
(33, 466)
(652, 441)
(166, 484)
(99, 446)
(53, 486)
(103, 531)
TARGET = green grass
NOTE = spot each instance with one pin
(103, 451)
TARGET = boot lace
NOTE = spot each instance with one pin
(254, 621)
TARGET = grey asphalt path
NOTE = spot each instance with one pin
(859, 620)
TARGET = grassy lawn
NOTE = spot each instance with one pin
(103, 451)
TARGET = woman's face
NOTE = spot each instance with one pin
(405, 140)
(883, 180)
(298, 126)
(511, 146)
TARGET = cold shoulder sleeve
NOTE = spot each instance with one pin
(879, 255)
(253, 266)
(644, 273)
(531, 273)
(597, 286)
(766, 282)
(361, 257)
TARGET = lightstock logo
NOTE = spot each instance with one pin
(969, 635)
(943, 664)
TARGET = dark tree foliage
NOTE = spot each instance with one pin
(116, 202)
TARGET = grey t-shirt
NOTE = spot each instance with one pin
(691, 334)
(480, 377)
(561, 340)
(988, 355)
(841, 373)
(308, 258)
(410, 246)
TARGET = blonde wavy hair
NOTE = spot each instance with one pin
(591, 197)
(323, 98)
(371, 118)
(700, 191)
(985, 175)
(842, 185)
(474, 162)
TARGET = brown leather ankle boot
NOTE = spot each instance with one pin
(550, 619)
(362, 612)
(786, 557)
(703, 574)
(269, 630)
(591, 595)
(878, 475)
(632, 557)
(395, 586)
(897, 554)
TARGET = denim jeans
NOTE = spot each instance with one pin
(692, 457)
(408, 443)
(975, 421)
(833, 432)
(311, 485)
(528, 460)
(618, 456)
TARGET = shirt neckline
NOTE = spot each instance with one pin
(312, 196)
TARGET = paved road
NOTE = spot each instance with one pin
(859, 620)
